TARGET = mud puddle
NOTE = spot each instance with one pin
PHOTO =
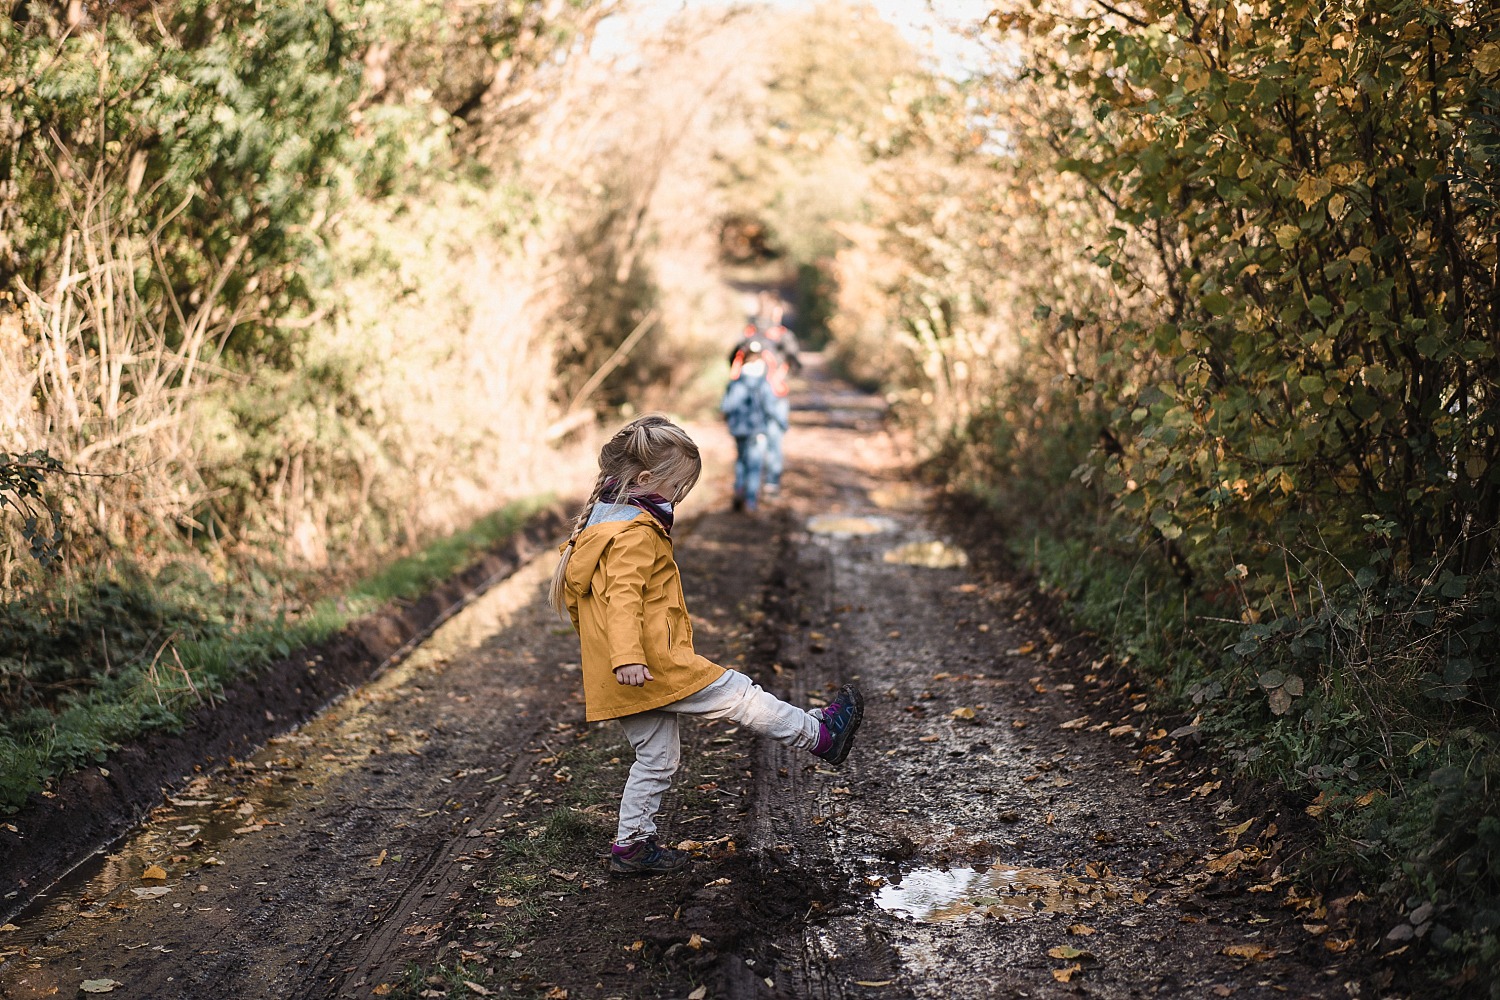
(1000, 890)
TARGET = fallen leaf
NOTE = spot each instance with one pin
(1367, 798)
(1315, 929)
(1077, 723)
(1223, 991)
(1126, 730)
(873, 982)
(695, 942)
(1336, 946)
(717, 882)
(383, 990)
(565, 876)
(637, 945)
(379, 859)
(1083, 930)
(98, 985)
(962, 713)
(1067, 951)
(151, 892)
(699, 994)
(1066, 975)
(1254, 952)
(8, 928)
(690, 845)
(1234, 833)
(1140, 896)
(476, 988)
(555, 993)
(1226, 863)
(1026, 649)
(507, 901)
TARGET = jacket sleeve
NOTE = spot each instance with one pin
(626, 567)
(732, 397)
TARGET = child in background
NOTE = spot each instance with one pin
(619, 584)
(752, 409)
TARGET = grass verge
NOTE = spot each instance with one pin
(88, 668)
(1357, 707)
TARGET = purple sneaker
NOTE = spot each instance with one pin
(840, 722)
(646, 857)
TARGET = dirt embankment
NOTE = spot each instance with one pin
(1014, 820)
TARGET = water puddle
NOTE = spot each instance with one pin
(849, 524)
(1006, 892)
(897, 496)
(932, 555)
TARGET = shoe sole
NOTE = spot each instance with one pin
(629, 872)
(853, 730)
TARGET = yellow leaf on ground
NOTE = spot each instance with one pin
(1226, 863)
(1066, 975)
(1083, 930)
(1337, 946)
(1077, 723)
(873, 982)
(1254, 952)
(555, 993)
(699, 994)
(695, 942)
(156, 872)
(1027, 649)
(1234, 833)
(1122, 731)
(1367, 798)
(383, 990)
(962, 713)
(378, 860)
(1067, 951)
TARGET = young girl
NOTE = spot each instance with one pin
(618, 582)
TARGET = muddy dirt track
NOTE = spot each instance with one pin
(1014, 820)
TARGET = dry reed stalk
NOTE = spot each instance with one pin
(115, 377)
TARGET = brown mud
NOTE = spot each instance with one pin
(1014, 821)
(95, 805)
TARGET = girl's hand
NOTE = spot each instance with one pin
(634, 674)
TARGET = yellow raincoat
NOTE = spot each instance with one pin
(624, 594)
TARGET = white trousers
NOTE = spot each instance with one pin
(654, 735)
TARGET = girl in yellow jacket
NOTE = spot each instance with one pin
(619, 584)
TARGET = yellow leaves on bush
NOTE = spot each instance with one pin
(1487, 59)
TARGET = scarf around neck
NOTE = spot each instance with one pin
(654, 504)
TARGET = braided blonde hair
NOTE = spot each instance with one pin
(650, 444)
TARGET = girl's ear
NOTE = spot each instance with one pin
(644, 479)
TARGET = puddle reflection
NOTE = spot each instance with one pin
(933, 895)
(848, 524)
(932, 555)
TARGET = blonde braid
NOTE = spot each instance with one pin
(556, 593)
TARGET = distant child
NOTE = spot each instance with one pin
(619, 584)
(754, 412)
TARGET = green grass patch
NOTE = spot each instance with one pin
(86, 669)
